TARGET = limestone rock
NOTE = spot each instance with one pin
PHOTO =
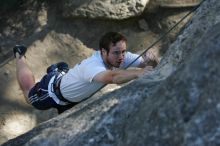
(186, 41)
(177, 3)
(184, 110)
(115, 9)
(108, 9)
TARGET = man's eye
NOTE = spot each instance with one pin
(118, 52)
(123, 52)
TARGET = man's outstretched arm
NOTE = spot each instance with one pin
(119, 76)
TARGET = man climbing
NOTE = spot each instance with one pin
(62, 88)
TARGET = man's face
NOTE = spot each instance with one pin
(116, 54)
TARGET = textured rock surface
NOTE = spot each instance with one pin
(117, 9)
(178, 106)
(185, 43)
(177, 3)
(108, 9)
(184, 109)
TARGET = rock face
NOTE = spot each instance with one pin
(184, 109)
(177, 3)
(115, 9)
(169, 107)
(108, 9)
(186, 42)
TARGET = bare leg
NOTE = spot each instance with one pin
(25, 76)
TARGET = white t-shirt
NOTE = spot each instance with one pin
(78, 83)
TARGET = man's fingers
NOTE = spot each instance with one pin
(148, 69)
(150, 56)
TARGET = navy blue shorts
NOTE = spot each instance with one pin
(40, 99)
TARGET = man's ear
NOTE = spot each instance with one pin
(103, 51)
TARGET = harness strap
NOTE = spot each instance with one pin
(56, 89)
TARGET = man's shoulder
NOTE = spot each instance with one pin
(93, 61)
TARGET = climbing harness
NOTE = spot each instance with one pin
(59, 70)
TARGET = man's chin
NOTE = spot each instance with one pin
(118, 65)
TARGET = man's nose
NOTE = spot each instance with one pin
(121, 55)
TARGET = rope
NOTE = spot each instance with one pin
(153, 44)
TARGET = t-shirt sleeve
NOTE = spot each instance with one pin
(92, 69)
(131, 58)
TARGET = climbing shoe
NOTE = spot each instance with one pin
(60, 66)
(63, 66)
(20, 49)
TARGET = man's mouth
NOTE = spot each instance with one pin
(119, 62)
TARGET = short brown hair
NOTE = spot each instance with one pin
(110, 37)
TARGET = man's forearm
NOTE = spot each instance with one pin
(123, 76)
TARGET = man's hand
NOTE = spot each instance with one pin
(146, 70)
(150, 59)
